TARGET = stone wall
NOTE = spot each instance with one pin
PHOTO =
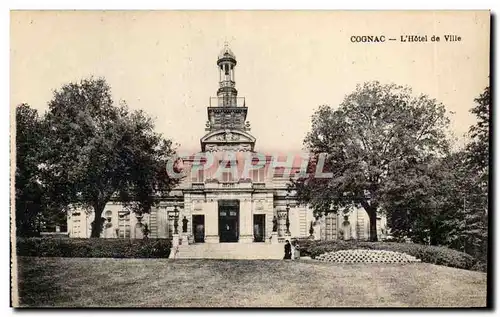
(80, 222)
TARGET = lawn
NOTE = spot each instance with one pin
(91, 282)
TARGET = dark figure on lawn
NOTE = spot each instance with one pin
(288, 250)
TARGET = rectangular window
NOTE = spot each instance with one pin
(258, 175)
(197, 176)
(124, 224)
(330, 226)
(255, 175)
(226, 177)
(279, 172)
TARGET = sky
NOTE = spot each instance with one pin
(289, 63)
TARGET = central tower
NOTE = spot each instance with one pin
(226, 125)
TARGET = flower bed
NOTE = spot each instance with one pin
(426, 253)
(366, 256)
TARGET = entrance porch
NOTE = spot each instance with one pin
(227, 221)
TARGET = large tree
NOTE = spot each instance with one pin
(376, 135)
(445, 202)
(438, 203)
(99, 150)
(478, 147)
(414, 203)
(469, 227)
(465, 208)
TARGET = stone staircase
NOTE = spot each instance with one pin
(232, 251)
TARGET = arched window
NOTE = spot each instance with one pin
(346, 226)
(108, 214)
(138, 231)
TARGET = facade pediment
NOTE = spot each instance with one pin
(228, 139)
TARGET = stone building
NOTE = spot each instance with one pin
(230, 200)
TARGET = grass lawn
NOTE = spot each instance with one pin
(87, 282)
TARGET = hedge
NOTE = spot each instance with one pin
(426, 253)
(93, 247)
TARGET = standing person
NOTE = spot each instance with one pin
(288, 250)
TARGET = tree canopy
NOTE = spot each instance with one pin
(446, 202)
(478, 147)
(388, 152)
(95, 151)
(377, 134)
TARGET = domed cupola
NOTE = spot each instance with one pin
(226, 55)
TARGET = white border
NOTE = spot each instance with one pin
(253, 5)
(191, 5)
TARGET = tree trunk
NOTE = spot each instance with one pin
(371, 210)
(433, 240)
(97, 223)
(434, 236)
(372, 214)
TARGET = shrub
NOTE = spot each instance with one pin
(426, 253)
(93, 247)
(480, 266)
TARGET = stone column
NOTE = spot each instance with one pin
(269, 226)
(274, 238)
(188, 208)
(246, 220)
(211, 212)
(269, 217)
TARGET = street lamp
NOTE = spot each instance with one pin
(176, 219)
(287, 215)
